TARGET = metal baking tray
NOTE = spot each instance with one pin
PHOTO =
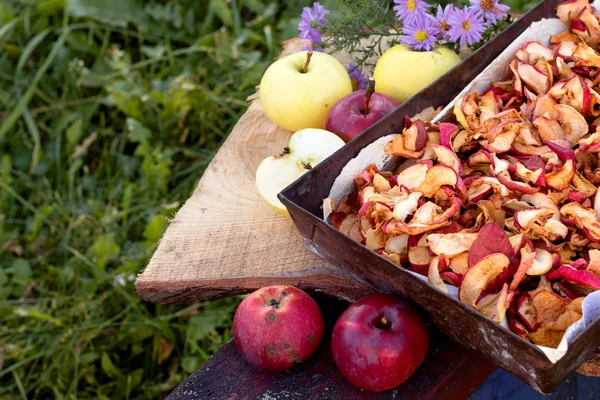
(304, 200)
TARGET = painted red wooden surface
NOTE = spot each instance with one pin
(450, 372)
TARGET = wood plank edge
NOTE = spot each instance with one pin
(185, 292)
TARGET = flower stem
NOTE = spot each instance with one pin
(369, 93)
(308, 57)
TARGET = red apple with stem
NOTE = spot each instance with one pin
(357, 111)
(379, 342)
(277, 327)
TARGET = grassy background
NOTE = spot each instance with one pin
(109, 112)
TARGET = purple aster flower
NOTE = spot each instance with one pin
(409, 10)
(465, 27)
(311, 47)
(359, 80)
(311, 20)
(442, 17)
(421, 34)
(491, 10)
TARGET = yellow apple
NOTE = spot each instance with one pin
(306, 149)
(295, 99)
(402, 72)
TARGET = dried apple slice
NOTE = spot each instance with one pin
(517, 242)
(561, 178)
(594, 265)
(448, 158)
(419, 257)
(581, 277)
(397, 245)
(563, 149)
(591, 144)
(459, 264)
(481, 274)
(381, 184)
(569, 10)
(542, 263)
(412, 176)
(450, 244)
(494, 305)
(505, 179)
(491, 238)
(548, 129)
(537, 177)
(586, 219)
(572, 122)
(375, 239)
(526, 312)
(397, 147)
(476, 193)
(435, 178)
(489, 106)
(538, 80)
(434, 275)
(535, 51)
(406, 207)
(447, 130)
(527, 259)
(415, 137)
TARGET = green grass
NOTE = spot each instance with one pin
(110, 110)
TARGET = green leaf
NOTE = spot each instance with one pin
(7, 27)
(20, 268)
(3, 277)
(138, 133)
(17, 111)
(154, 51)
(50, 7)
(130, 104)
(206, 322)
(155, 228)
(113, 12)
(105, 246)
(74, 132)
(109, 367)
(222, 11)
(89, 357)
(190, 364)
(22, 312)
(29, 48)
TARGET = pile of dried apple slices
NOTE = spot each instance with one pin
(503, 204)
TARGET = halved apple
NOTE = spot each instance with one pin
(306, 149)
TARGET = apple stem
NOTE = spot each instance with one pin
(306, 165)
(384, 322)
(308, 57)
(369, 93)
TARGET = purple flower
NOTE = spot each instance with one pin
(442, 17)
(409, 10)
(421, 34)
(465, 26)
(359, 80)
(491, 10)
(311, 20)
(311, 47)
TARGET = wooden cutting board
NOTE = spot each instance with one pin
(227, 240)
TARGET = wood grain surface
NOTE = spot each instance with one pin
(227, 240)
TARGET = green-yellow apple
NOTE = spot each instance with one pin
(306, 149)
(402, 72)
(297, 94)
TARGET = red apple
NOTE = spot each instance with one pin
(357, 111)
(277, 327)
(379, 342)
